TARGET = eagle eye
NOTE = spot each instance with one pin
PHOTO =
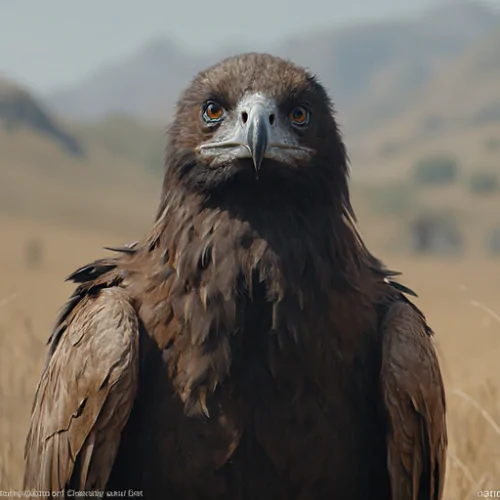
(212, 112)
(300, 116)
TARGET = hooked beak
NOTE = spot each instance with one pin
(257, 133)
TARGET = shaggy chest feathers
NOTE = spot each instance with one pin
(256, 338)
(254, 307)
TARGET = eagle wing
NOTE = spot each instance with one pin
(85, 394)
(414, 400)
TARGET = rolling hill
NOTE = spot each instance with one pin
(44, 179)
(19, 110)
(457, 111)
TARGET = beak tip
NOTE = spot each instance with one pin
(256, 171)
(256, 164)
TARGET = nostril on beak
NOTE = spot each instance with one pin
(271, 118)
(244, 117)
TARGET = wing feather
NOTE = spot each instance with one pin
(414, 400)
(85, 394)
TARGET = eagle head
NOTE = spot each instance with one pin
(254, 119)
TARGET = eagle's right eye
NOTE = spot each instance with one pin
(212, 112)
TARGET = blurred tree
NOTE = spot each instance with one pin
(484, 182)
(436, 170)
(435, 235)
(34, 253)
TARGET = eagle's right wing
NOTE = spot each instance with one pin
(85, 394)
(414, 399)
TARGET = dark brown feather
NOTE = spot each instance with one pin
(414, 399)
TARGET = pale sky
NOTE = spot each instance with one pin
(47, 44)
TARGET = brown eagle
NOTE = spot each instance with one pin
(249, 347)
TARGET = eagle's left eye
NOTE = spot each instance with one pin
(300, 116)
(212, 112)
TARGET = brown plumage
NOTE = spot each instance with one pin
(249, 347)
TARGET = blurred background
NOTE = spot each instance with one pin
(87, 90)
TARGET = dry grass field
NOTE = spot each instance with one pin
(461, 299)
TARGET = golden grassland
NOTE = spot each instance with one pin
(461, 299)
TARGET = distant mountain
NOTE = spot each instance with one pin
(371, 69)
(463, 96)
(18, 109)
(144, 85)
(466, 93)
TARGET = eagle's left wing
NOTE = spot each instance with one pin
(87, 389)
(414, 400)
